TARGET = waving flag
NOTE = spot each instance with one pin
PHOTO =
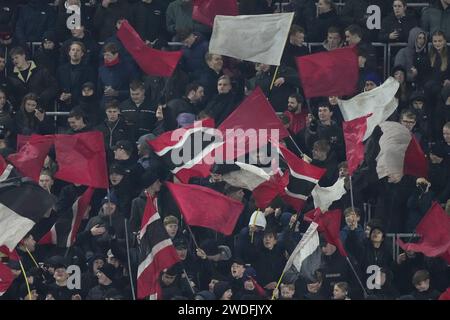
(434, 230)
(188, 152)
(153, 62)
(380, 102)
(210, 209)
(81, 159)
(257, 38)
(156, 254)
(31, 156)
(354, 131)
(332, 73)
(22, 205)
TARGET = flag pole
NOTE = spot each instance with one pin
(351, 193)
(192, 236)
(188, 281)
(32, 258)
(128, 258)
(274, 77)
(295, 144)
(26, 280)
(278, 284)
(357, 277)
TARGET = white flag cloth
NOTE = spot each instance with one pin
(381, 102)
(306, 247)
(393, 145)
(257, 38)
(325, 196)
(249, 177)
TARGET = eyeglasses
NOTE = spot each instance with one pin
(408, 121)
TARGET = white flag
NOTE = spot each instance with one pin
(381, 102)
(393, 145)
(306, 247)
(258, 38)
(325, 196)
(249, 177)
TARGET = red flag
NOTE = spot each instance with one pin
(268, 190)
(415, 163)
(204, 207)
(81, 159)
(330, 224)
(80, 210)
(12, 255)
(6, 278)
(354, 132)
(31, 156)
(434, 229)
(332, 73)
(153, 62)
(156, 254)
(205, 11)
(254, 119)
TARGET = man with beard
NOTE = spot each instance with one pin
(223, 104)
(296, 114)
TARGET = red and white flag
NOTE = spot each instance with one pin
(400, 153)
(188, 152)
(157, 253)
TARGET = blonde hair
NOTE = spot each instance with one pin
(443, 54)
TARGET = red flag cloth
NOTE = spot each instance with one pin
(21, 140)
(445, 295)
(31, 156)
(332, 73)
(153, 62)
(354, 132)
(81, 159)
(434, 229)
(330, 225)
(12, 255)
(204, 11)
(156, 254)
(6, 278)
(80, 210)
(415, 163)
(268, 190)
(253, 118)
(204, 207)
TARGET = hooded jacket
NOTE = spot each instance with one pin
(412, 56)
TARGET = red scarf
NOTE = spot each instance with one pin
(112, 62)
